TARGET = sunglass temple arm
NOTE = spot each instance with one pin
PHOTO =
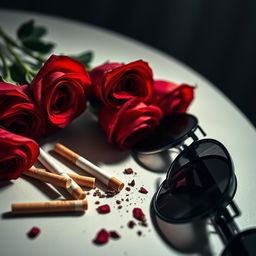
(225, 224)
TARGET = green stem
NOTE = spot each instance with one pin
(29, 72)
(8, 78)
(38, 57)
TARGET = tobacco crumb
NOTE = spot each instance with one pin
(119, 206)
(131, 224)
(97, 202)
(127, 189)
(34, 232)
(139, 233)
(114, 234)
(118, 202)
(143, 223)
(110, 193)
(88, 193)
(132, 183)
(128, 171)
(102, 196)
(127, 199)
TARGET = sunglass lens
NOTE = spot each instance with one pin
(169, 133)
(243, 244)
(194, 187)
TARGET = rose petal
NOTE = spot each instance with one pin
(138, 214)
(102, 237)
(143, 190)
(34, 232)
(103, 209)
(128, 171)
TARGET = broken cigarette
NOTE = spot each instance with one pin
(52, 206)
(81, 180)
(86, 165)
(43, 175)
(51, 164)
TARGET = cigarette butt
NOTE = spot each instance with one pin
(51, 164)
(83, 180)
(43, 175)
(78, 193)
(116, 184)
(89, 167)
(52, 206)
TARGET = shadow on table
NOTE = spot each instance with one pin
(156, 162)
(87, 138)
(184, 238)
(4, 184)
(10, 215)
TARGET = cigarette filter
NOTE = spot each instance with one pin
(43, 175)
(52, 206)
(83, 180)
(51, 164)
(89, 167)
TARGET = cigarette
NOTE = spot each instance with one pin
(51, 164)
(89, 167)
(81, 180)
(43, 175)
(52, 206)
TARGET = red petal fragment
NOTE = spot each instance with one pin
(103, 209)
(128, 171)
(131, 224)
(34, 232)
(114, 234)
(143, 190)
(138, 214)
(102, 237)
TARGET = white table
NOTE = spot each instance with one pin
(71, 234)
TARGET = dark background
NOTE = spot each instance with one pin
(216, 38)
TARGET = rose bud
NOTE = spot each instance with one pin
(116, 83)
(171, 97)
(61, 88)
(130, 124)
(18, 113)
(17, 154)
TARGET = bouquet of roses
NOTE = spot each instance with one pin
(38, 96)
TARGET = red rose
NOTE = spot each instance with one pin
(18, 112)
(115, 83)
(61, 89)
(17, 154)
(171, 97)
(130, 124)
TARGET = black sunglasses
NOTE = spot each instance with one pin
(200, 182)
